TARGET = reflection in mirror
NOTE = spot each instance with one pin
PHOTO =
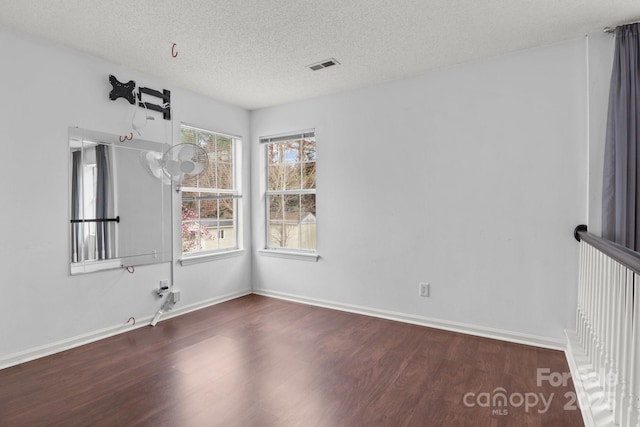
(120, 202)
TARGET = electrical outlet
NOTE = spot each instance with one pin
(163, 287)
(423, 289)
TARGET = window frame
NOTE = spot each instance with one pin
(283, 251)
(234, 193)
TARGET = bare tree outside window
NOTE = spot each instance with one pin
(210, 200)
(291, 193)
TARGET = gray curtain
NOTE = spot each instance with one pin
(103, 207)
(621, 186)
(76, 188)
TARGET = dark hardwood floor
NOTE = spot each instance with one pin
(258, 361)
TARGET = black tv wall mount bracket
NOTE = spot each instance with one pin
(128, 92)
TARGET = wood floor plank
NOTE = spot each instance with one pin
(258, 361)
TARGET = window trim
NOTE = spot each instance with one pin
(282, 252)
(235, 194)
(210, 256)
(287, 253)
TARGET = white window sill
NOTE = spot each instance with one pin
(304, 256)
(196, 259)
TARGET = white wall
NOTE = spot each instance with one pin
(46, 88)
(471, 178)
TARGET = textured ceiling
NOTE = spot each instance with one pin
(254, 53)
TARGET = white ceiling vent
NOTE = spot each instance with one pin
(323, 64)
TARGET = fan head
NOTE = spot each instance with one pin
(184, 160)
(151, 161)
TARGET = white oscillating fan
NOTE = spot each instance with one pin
(184, 159)
(152, 162)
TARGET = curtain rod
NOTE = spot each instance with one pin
(611, 30)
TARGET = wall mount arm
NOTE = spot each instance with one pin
(165, 95)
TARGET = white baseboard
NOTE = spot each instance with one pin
(480, 331)
(79, 340)
(595, 412)
(203, 304)
(66, 344)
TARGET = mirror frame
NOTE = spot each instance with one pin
(124, 228)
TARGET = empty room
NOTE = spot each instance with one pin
(320, 213)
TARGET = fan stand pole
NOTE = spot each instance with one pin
(172, 298)
(168, 305)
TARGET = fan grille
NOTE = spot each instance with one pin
(188, 164)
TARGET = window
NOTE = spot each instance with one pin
(211, 200)
(291, 191)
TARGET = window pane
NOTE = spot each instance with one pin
(293, 176)
(309, 164)
(208, 208)
(208, 178)
(191, 229)
(225, 176)
(224, 152)
(276, 177)
(209, 224)
(276, 208)
(292, 152)
(274, 154)
(308, 235)
(226, 231)
(188, 136)
(191, 205)
(291, 233)
(206, 140)
(308, 224)
(190, 180)
(226, 209)
(308, 150)
(309, 175)
(308, 206)
(275, 234)
(292, 208)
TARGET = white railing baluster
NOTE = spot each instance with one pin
(580, 302)
(620, 344)
(626, 350)
(588, 337)
(603, 290)
(608, 325)
(613, 374)
(597, 313)
(634, 382)
(593, 301)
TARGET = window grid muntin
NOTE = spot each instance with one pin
(219, 195)
(281, 160)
